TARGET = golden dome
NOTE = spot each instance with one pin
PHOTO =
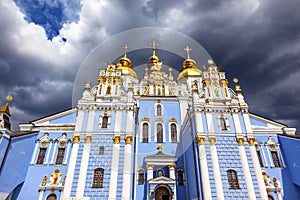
(189, 69)
(154, 59)
(124, 65)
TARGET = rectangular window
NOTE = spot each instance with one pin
(41, 156)
(260, 159)
(101, 150)
(60, 156)
(275, 158)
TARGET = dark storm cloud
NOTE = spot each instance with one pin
(257, 41)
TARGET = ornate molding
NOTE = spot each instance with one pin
(88, 139)
(116, 139)
(240, 141)
(76, 138)
(150, 166)
(251, 141)
(200, 140)
(128, 139)
(212, 140)
(171, 166)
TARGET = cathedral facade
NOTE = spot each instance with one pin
(162, 138)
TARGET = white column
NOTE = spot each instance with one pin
(53, 154)
(149, 172)
(247, 123)
(172, 171)
(67, 154)
(114, 169)
(279, 196)
(48, 153)
(71, 168)
(246, 170)
(41, 194)
(216, 168)
(83, 167)
(73, 157)
(34, 153)
(85, 156)
(259, 177)
(204, 169)
(127, 168)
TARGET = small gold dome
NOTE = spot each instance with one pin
(124, 65)
(189, 69)
(153, 59)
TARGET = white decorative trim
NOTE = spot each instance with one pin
(67, 154)
(48, 154)
(237, 123)
(32, 162)
(53, 153)
(210, 123)
(41, 194)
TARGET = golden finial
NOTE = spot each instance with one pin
(235, 80)
(187, 49)
(125, 50)
(210, 61)
(9, 98)
(237, 88)
(104, 64)
(153, 44)
(159, 148)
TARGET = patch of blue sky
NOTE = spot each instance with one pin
(50, 14)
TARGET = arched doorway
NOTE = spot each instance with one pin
(163, 192)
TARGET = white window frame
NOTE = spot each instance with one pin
(170, 131)
(163, 129)
(141, 131)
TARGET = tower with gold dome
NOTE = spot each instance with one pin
(154, 138)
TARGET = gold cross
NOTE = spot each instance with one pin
(153, 44)
(125, 49)
(187, 49)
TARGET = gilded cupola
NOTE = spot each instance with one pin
(189, 67)
(124, 64)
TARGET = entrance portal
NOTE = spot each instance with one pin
(163, 192)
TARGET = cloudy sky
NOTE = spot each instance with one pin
(44, 42)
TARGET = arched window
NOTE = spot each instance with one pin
(233, 179)
(141, 176)
(145, 132)
(173, 132)
(51, 197)
(159, 134)
(98, 178)
(101, 150)
(158, 110)
(104, 122)
(180, 179)
(160, 173)
(223, 124)
(60, 156)
(41, 156)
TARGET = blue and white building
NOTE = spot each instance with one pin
(161, 137)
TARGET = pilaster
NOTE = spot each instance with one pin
(246, 170)
(216, 168)
(127, 168)
(204, 169)
(114, 168)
